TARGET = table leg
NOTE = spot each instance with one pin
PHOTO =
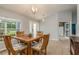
(29, 49)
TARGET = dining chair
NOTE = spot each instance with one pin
(39, 33)
(19, 49)
(20, 33)
(42, 46)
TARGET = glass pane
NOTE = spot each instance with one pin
(2, 25)
(2, 30)
(8, 25)
(17, 26)
(11, 28)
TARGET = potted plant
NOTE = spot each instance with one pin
(30, 35)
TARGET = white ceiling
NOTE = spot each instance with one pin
(44, 10)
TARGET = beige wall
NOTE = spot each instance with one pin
(77, 27)
(51, 23)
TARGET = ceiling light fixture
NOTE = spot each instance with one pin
(34, 10)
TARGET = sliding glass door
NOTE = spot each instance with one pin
(8, 28)
(11, 28)
(2, 28)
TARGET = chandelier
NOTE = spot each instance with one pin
(34, 10)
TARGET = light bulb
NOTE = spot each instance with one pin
(33, 9)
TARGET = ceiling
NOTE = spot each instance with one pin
(43, 10)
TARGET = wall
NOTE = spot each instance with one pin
(51, 24)
(77, 26)
(64, 16)
(23, 19)
(74, 17)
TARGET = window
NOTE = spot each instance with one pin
(8, 28)
(2, 26)
(11, 28)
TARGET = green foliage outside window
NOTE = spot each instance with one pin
(11, 28)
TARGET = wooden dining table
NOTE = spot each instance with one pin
(28, 40)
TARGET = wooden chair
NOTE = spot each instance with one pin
(20, 33)
(39, 33)
(42, 46)
(12, 50)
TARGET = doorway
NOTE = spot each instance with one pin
(64, 30)
(33, 28)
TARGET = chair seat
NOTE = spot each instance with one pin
(14, 48)
(19, 47)
(34, 43)
(37, 46)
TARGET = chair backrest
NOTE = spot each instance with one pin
(20, 33)
(8, 43)
(39, 33)
(45, 41)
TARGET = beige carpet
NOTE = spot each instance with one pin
(60, 47)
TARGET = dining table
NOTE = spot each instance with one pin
(28, 40)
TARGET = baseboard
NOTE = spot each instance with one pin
(62, 38)
(54, 39)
